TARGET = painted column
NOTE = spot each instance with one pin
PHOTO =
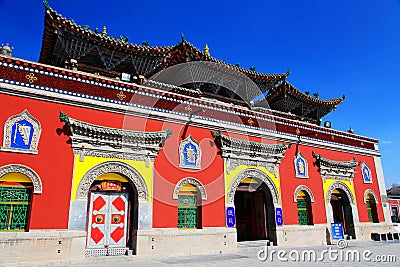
(382, 188)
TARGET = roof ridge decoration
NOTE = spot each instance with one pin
(46, 4)
(59, 22)
(287, 98)
(100, 141)
(291, 88)
(334, 169)
(238, 152)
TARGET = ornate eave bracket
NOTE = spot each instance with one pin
(238, 152)
(332, 169)
(99, 141)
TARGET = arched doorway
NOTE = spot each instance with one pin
(114, 191)
(370, 201)
(190, 193)
(304, 197)
(113, 214)
(255, 212)
(189, 208)
(342, 211)
(254, 196)
(18, 183)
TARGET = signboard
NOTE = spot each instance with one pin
(111, 185)
(337, 231)
(230, 217)
(278, 216)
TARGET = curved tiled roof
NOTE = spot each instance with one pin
(54, 20)
(108, 56)
(287, 88)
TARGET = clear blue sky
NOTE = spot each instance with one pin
(331, 47)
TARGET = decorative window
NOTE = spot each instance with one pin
(189, 208)
(14, 208)
(304, 210)
(371, 208)
(395, 211)
(366, 173)
(301, 166)
(21, 133)
(189, 153)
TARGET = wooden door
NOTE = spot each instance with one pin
(107, 225)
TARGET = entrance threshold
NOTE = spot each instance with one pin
(254, 243)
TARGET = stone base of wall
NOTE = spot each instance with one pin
(41, 245)
(301, 235)
(179, 242)
(364, 230)
(305, 235)
(67, 245)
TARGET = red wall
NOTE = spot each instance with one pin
(54, 165)
(289, 183)
(54, 162)
(167, 174)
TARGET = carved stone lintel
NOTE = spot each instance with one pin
(193, 181)
(249, 153)
(31, 174)
(100, 141)
(113, 167)
(256, 175)
(332, 169)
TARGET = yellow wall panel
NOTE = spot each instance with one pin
(229, 177)
(82, 167)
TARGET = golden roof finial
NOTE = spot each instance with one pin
(104, 32)
(207, 50)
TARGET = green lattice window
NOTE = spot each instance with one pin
(14, 207)
(302, 211)
(187, 211)
(369, 209)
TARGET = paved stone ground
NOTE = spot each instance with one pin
(248, 256)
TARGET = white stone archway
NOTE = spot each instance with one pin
(258, 176)
(78, 209)
(305, 189)
(193, 181)
(328, 207)
(28, 172)
(372, 193)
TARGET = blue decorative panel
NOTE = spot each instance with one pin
(189, 153)
(301, 166)
(21, 133)
(366, 173)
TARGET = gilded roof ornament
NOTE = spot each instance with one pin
(6, 50)
(207, 50)
(104, 32)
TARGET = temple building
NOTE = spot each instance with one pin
(114, 148)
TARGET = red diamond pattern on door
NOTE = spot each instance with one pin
(107, 220)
